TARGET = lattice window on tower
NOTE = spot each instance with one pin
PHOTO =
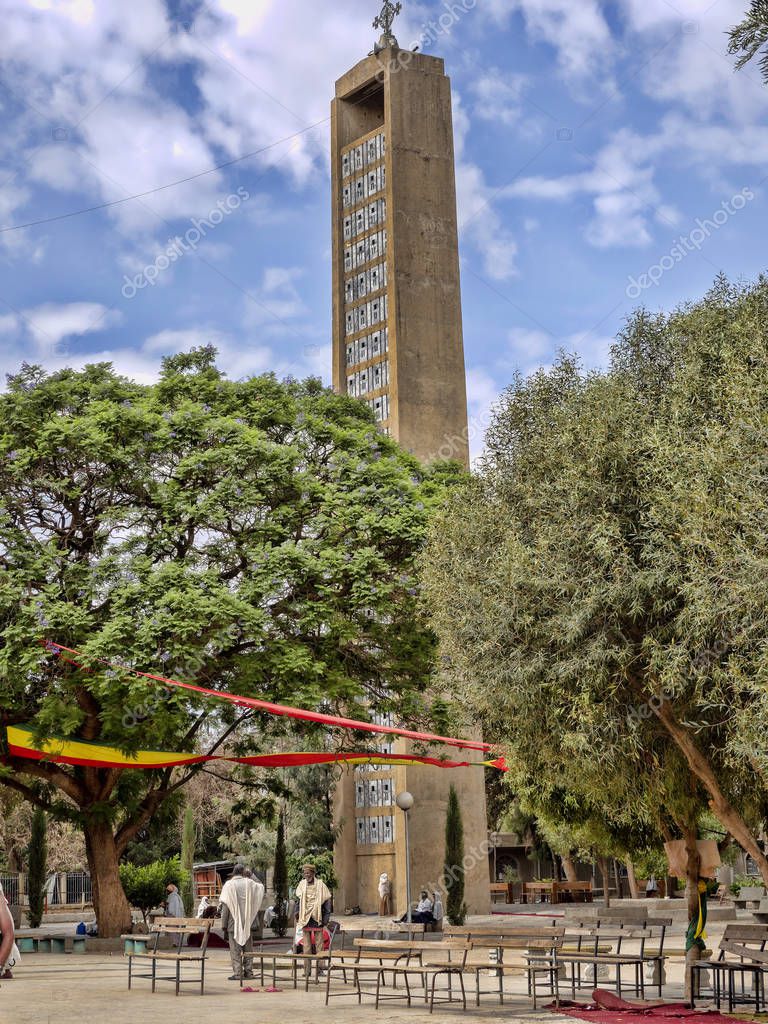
(348, 222)
(346, 165)
(374, 793)
(380, 376)
(346, 195)
(386, 792)
(387, 829)
(349, 290)
(374, 825)
(359, 793)
(362, 286)
(350, 321)
(380, 408)
(362, 318)
(362, 350)
(372, 150)
(362, 831)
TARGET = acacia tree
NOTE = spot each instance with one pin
(255, 536)
(599, 588)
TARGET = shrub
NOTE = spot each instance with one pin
(145, 884)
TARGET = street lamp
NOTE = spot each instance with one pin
(404, 801)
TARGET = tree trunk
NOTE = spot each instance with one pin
(693, 862)
(113, 913)
(617, 877)
(603, 865)
(719, 804)
(634, 892)
(569, 868)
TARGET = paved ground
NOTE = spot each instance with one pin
(72, 989)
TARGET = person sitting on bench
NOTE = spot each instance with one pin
(423, 912)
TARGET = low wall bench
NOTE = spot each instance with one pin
(34, 940)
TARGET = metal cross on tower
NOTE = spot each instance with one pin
(385, 20)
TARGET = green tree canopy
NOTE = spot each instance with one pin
(252, 536)
(599, 589)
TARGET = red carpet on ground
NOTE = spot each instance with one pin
(607, 1008)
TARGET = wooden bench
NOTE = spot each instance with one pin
(742, 953)
(500, 889)
(173, 926)
(290, 962)
(572, 892)
(429, 961)
(591, 952)
(435, 960)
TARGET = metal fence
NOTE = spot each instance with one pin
(62, 889)
(78, 888)
(11, 886)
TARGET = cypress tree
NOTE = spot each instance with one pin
(188, 860)
(280, 881)
(455, 907)
(37, 870)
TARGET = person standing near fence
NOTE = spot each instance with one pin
(240, 902)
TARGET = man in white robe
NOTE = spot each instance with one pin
(240, 902)
(313, 906)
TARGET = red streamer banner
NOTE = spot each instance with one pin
(280, 710)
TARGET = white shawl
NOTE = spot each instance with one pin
(308, 910)
(242, 897)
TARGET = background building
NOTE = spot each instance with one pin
(397, 344)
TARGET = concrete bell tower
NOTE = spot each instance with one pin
(398, 345)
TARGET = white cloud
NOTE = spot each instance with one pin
(578, 31)
(621, 184)
(498, 96)
(479, 221)
(47, 325)
(689, 63)
(38, 333)
(482, 395)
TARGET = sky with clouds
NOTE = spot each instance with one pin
(607, 156)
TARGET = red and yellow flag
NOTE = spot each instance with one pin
(21, 743)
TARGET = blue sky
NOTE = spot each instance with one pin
(608, 155)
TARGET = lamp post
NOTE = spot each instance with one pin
(404, 801)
